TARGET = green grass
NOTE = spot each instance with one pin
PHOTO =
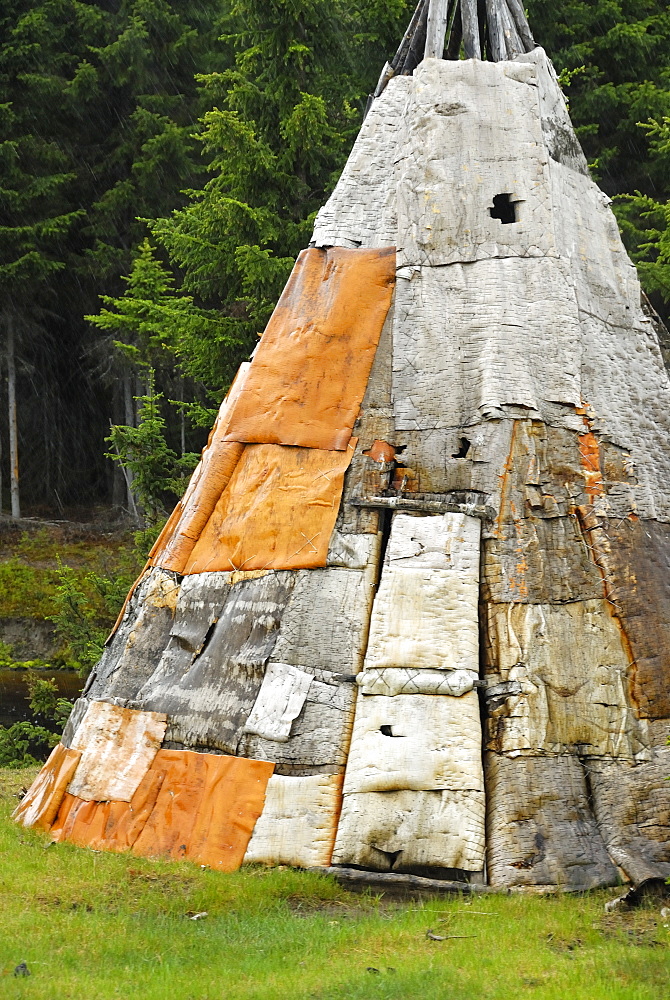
(106, 926)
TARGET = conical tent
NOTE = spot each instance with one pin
(412, 614)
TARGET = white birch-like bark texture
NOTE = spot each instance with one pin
(405, 830)
(473, 132)
(392, 681)
(425, 611)
(436, 456)
(280, 699)
(413, 784)
(559, 136)
(350, 551)
(535, 551)
(319, 735)
(325, 624)
(208, 695)
(472, 339)
(298, 822)
(117, 748)
(626, 387)
(362, 209)
(557, 682)
(631, 804)
(439, 139)
(415, 742)
(516, 371)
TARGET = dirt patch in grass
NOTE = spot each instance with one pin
(641, 926)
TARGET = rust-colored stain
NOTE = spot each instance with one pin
(382, 452)
(309, 373)
(589, 450)
(506, 484)
(198, 806)
(405, 480)
(278, 511)
(42, 801)
(634, 558)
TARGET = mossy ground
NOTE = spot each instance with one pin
(106, 926)
(31, 557)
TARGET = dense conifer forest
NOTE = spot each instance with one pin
(160, 167)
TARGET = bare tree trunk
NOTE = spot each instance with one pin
(182, 418)
(13, 423)
(118, 480)
(129, 421)
(0, 444)
(128, 401)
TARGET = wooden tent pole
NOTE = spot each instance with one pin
(471, 42)
(522, 26)
(436, 30)
(496, 33)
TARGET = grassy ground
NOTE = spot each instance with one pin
(107, 926)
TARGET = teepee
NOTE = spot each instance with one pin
(412, 614)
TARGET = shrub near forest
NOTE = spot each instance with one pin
(78, 585)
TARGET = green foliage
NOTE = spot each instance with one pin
(645, 221)
(624, 46)
(24, 743)
(148, 322)
(157, 472)
(82, 597)
(6, 656)
(45, 700)
(98, 104)
(9, 662)
(78, 619)
(222, 128)
(281, 124)
(24, 590)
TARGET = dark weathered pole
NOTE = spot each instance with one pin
(396, 65)
(513, 43)
(455, 33)
(471, 42)
(519, 17)
(12, 419)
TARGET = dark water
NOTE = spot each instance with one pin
(14, 705)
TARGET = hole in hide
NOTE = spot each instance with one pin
(391, 856)
(463, 448)
(503, 208)
(386, 731)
